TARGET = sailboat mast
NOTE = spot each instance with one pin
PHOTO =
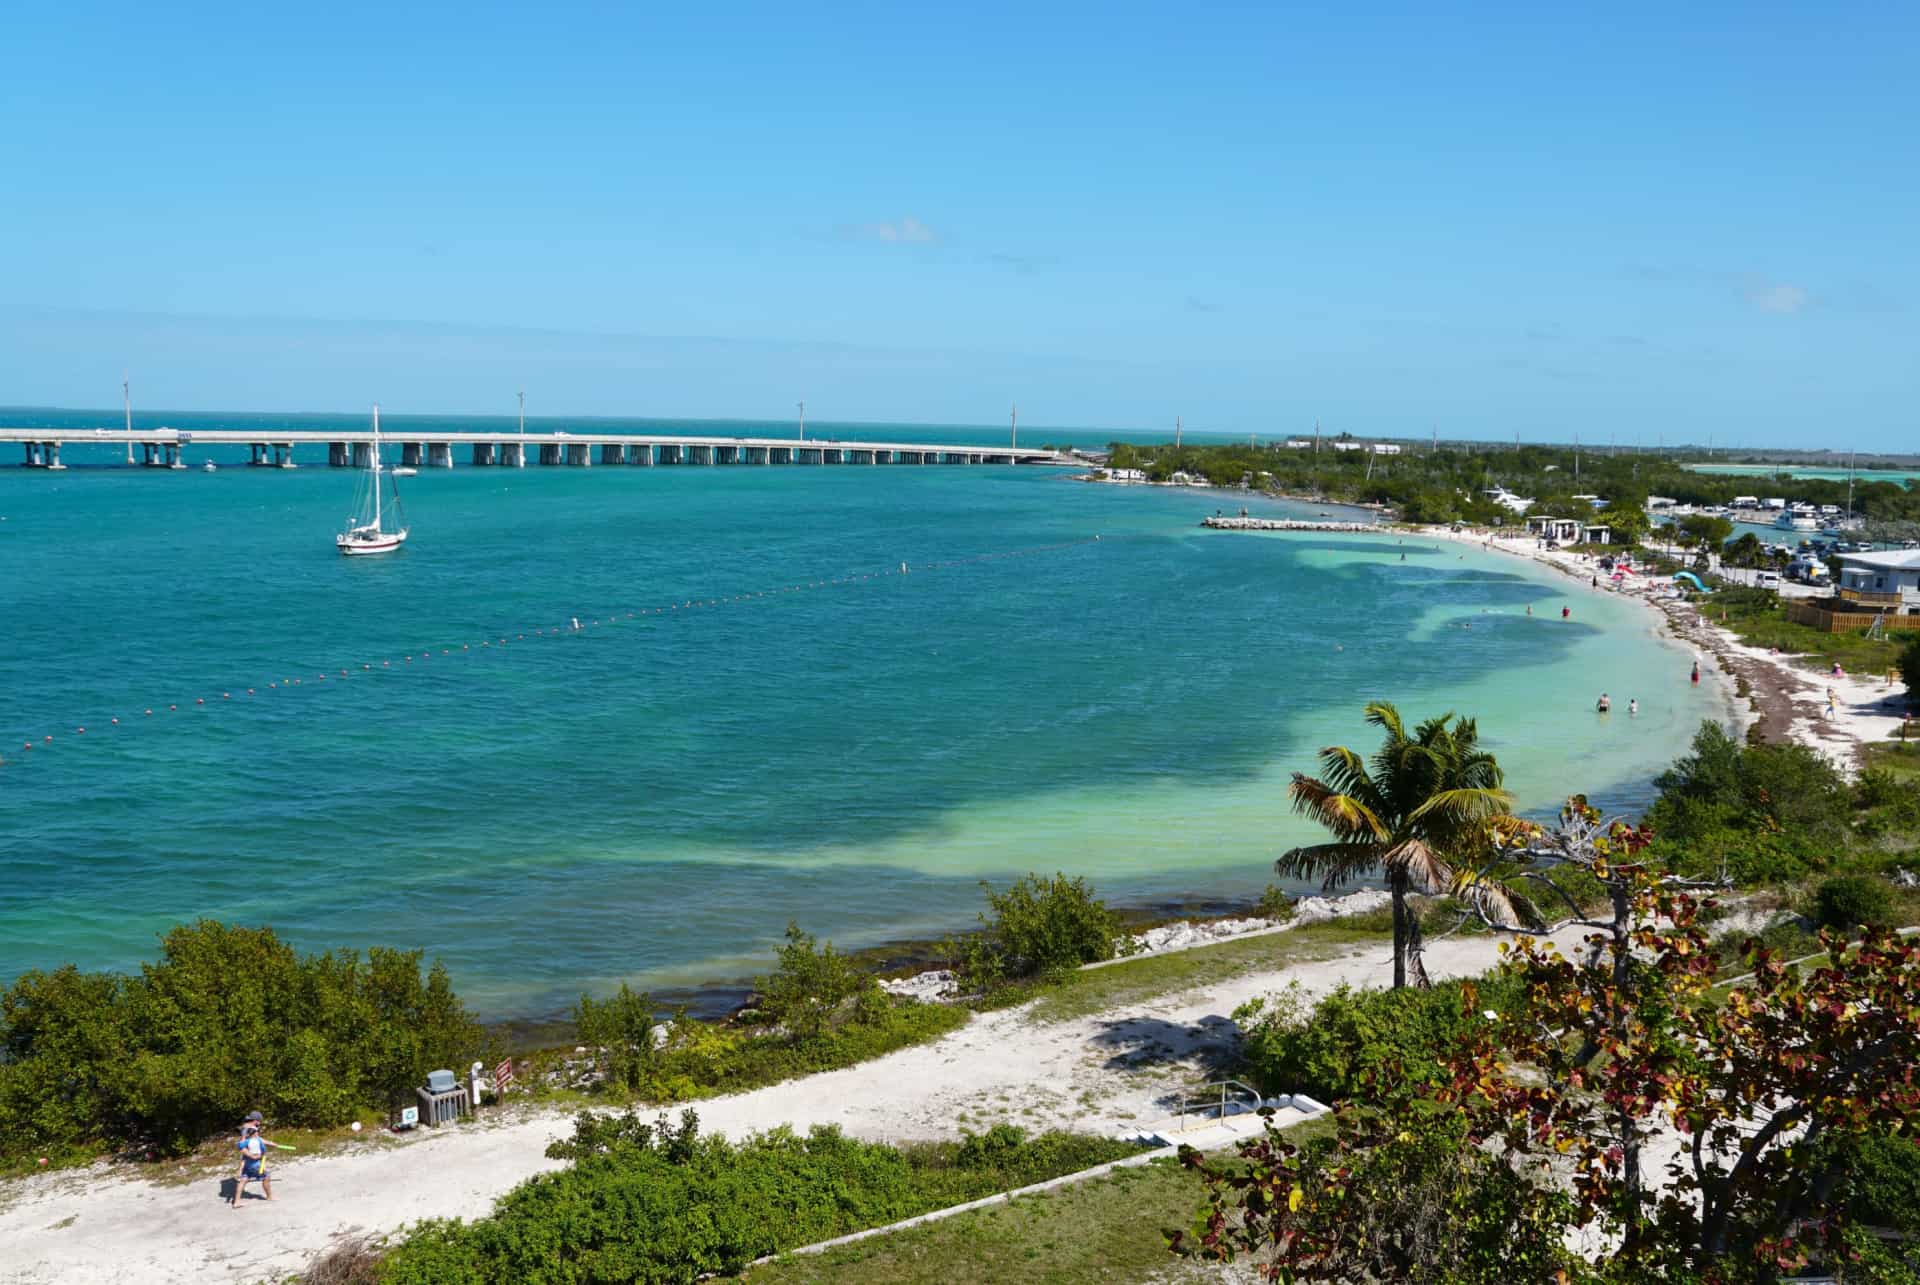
(375, 466)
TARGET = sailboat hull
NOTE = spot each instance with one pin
(360, 547)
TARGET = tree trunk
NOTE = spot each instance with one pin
(1397, 884)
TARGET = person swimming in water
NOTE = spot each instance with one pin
(1633, 706)
(1604, 704)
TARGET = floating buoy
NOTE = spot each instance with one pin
(226, 696)
(26, 745)
(49, 738)
(79, 731)
(173, 707)
(116, 722)
(149, 713)
(199, 700)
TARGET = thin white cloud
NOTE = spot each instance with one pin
(905, 230)
(1778, 297)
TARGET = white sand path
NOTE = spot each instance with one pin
(1109, 1073)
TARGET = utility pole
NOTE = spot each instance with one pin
(803, 421)
(1576, 459)
(1316, 439)
(126, 400)
(1176, 432)
(1436, 439)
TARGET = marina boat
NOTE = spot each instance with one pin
(377, 525)
(209, 467)
(1789, 520)
(402, 470)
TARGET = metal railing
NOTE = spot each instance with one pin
(1232, 1093)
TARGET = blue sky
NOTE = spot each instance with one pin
(1659, 221)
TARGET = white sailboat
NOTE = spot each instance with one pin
(365, 531)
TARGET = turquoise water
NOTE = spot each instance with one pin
(652, 799)
(1861, 476)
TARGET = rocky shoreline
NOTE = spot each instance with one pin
(940, 984)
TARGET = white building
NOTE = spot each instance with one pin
(1385, 448)
(1126, 475)
(1299, 443)
(1506, 499)
(1349, 446)
(1561, 530)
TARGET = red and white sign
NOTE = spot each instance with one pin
(503, 1075)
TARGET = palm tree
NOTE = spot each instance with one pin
(1423, 802)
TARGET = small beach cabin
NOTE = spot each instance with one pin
(1594, 534)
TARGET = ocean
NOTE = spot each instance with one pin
(1066, 677)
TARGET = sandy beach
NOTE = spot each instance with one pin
(1785, 699)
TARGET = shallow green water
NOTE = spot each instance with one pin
(654, 798)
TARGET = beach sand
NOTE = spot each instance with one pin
(1786, 698)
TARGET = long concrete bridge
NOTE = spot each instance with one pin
(162, 448)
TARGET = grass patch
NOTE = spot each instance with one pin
(1102, 1230)
(1758, 618)
(1900, 759)
(1132, 981)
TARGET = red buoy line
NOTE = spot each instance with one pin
(30, 750)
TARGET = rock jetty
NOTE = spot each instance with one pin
(1286, 524)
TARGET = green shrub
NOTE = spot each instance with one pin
(1766, 812)
(1038, 927)
(1329, 1050)
(663, 1203)
(227, 1019)
(618, 1031)
(809, 986)
(1274, 904)
(1848, 902)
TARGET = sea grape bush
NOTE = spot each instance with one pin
(227, 1019)
(1775, 1085)
(662, 1202)
(815, 1012)
(810, 985)
(1848, 902)
(1037, 927)
(1333, 1049)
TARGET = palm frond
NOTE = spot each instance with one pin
(1349, 818)
(1465, 806)
(1332, 863)
(1424, 867)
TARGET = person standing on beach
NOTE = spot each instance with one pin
(252, 1146)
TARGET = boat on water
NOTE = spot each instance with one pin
(209, 467)
(377, 524)
(401, 470)
(1792, 521)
